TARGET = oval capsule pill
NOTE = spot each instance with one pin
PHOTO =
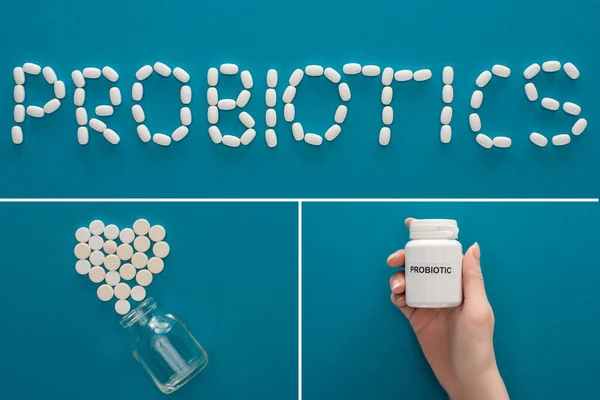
(313, 139)
(110, 74)
(81, 116)
(181, 75)
(270, 117)
(579, 126)
(111, 136)
(83, 135)
(340, 114)
(272, 78)
(215, 134)
(49, 75)
(19, 113)
(212, 96)
(271, 138)
(332, 75)
(185, 115)
(137, 91)
(333, 132)
(313, 70)
(212, 76)
(270, 97)
(229, 69)
(351, 69)
(180, 133)
(246, 119)
(213, 114)
(231, 141)
(531, 71)
(422, 75)
(60, 91)
(501, 71)
(483, 79)
(551, 66)
(475, 122)
(247, 137)
(502, 142)
(19, 93)
(115, 96)
(138, 113)
(297, 131)
(387, 76)
(448, 75)
(476, 99)
(484, 141)
(185, 94)
(385, 134)
(161, 139)
(386, 95)
(538, 139)
(571, 108)
(446, 134)
(371, 70)
(243, 98)
(92, 73)
(289, 94)
(446, 115)
(144, 133)
(344, 91)
(79, 97)
(32, 68)
(289, 112)
(447, 94)
(35, 111)
(19, 76)
(162, 69)
(387, 115)
(226, 104)
(403, 75)
(550, 104)
(561, 139)
(144, 72)
(104, 111)
(16, 134)
(571, 70)
(78, 79)
(531, 92)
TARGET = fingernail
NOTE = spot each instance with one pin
(396, 283)
(390, 257)
(398, 298)
(476, 251)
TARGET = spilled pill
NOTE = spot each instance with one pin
(551, 66)
(385, 134)
(531, 92)
(83, 267)
(344, 91)
(579, 127)
(215, 134)
(475, 122)
(298, 131)
(143, 277)
(162, 69)
(243, 98)
(247, 80)
(340, 114)
(16, 134)
(271, 138)
(98, 126)
(138, 293)
(332, 75)
(502, 142)
(550, 104)
(571, 108)
(104, 292)
(138, 113)
(313, 70)
(371, 70)
(484, 141)
(422, 75)
(483, 79)
(110, 74)
(97, 274)
(446, 134)
(144, 135)
(185, 116)
(501, 71)
(32, 69)
(122, 291)
(271, 117)
(289, 112)
(35, 111)
(538, 139)
(127, 272)
(333, 131)
(143, 72)
(288, 95)
(180, 133)
(91, 73)
(296, 77)
(49, 75)
(476, 99)
(111, 136)
(181, 75)
(185, 94)
(226, 104)
(561, 139)
(229, 69)
(313, 139)
(272, 78)
(82, 235)
(531, 71)
(115, 96)
(231, 141)
(82, 251)
(105, 111)
(247, 137)
(83, 135)
(162, 140)
(122, 307)
(212, 77)
(571, 70)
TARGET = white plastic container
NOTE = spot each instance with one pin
(433, 267)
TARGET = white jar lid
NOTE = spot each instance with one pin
(433, 229)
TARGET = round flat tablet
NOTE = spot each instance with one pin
(109, 247)
(127, 235)
(97, 274)
(111, 231)
(112, 262)
(138, 293)
(156, 265)
(122, 307)
(139, 260)
(97, 227)
(112, 278)
(96, 242)
(141, 243)
(141, 226)
(143, 277)
(122, 291)
(97, 257)
(82, 251)
(161, 249)
(83, 267)
(127, 272)
(157, 233)
(124, 252)
(82, 235)
(104, 292)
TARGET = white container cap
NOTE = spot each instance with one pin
(433, 229)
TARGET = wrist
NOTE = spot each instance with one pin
(487, 386)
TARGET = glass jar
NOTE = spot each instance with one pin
(164, 346)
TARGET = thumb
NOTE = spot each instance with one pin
(471, 273)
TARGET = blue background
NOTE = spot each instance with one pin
(231, 276)
(540, 264)
(258, 35)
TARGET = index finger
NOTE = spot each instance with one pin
(407, 221)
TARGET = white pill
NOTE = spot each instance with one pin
(125, 251)
(448, 75)
(561, 140)
(110, 74)
(83, 135)
(231, 141)
(531, 92)
(97, 257)
(115, 96)
(271, 138)
(60, 91)
(333, 131)
(475, 122)
(226, 104)
(344, 91)
(181, 75)
(403, 75)
(387, 76)
(484, 141)
(387, 115)
(110, 247)
(531, 71)
(97, 125)
(112, 278)
(19, 76)
(185, 115)
(143, 72)
(96, 227)
(96, 242)
(156, 265)
(447, 94)
(538, 139)
(501, 71)
(422, 75)
(82, 251)
(271, 78)
(162, 69)
(213, 114)
(313, 139)
(83, 267)
(551, 66)
(332, 75)
(19, 113)
(141, 226)
(298, 131)
(571, 108)
(215, 134)
(78, 78)
(351, 69)
(97, 274)
(138, 293)
(212, 96)
(247, 80)
(144, 133)
(371, 70)
(137, 91)
(127, 235)
(313, 70)
(550, 104)
(104, 292)
(32, 69)
(446, 115)
(19, 93)
(35, 111)
(91, 73)
(502, 142)
(243, 98)
(144, 277)
(82, 235)
(385, 134)
(51, 106)
(127, 272)
(571, 70)
(122, 291)
(476, 99)
(446, 134)
(386, 95)
(16, 134)
(111, 136)
(212, 77)
(161, 139)
(229, 69)
(579, 127)
(138, 113)
(79, 97)
(271, 117)
(289, 112)
(340, 114)
(185, 94)
(270, 97)
(139, 260)
(289, 94)
(483, 79)
(49, 75)
(247, 137)
(104, 111)
(122, 307)
(180, 133)
(111, 231)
